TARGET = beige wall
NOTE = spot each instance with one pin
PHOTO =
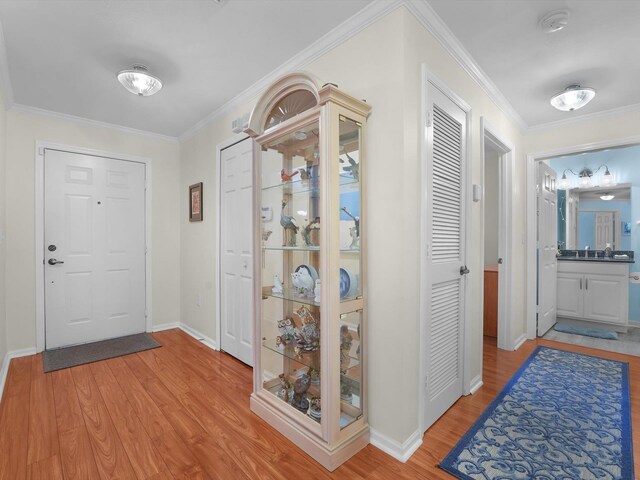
(381, 64)
(3, 144)
(23, 130)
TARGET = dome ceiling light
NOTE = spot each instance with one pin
(139, 81)
(572, 98)
(554, 21)
(607, 196)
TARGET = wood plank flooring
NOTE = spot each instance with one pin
(182, 412)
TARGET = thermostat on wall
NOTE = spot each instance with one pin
(266, 214)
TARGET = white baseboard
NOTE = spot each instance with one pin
(209, 342)
(476, 383)
(519, 341)
(399, 451)
(165, 326)
(7, 359)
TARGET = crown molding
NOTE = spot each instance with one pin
(16, 107)
(5, 79)
(349, 28)
(604, 114)
(427, 16)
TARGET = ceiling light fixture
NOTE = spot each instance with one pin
(554, 21)
(139, 81)
(572, 98)
(607, 196)
(585, 178)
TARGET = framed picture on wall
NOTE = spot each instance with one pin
(626, 228)
(195, 202)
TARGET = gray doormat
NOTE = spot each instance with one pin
(94, 352)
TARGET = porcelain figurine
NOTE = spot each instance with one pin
(306, 282)
(308, 337)
(315, 408)
(300, 388)
(289, 224)
(287, 330)
(356, 221)
(285, 387)
(353, 168)
(297, 283)
(266, 234)
(306, 231)
(277, 284)
(346, 340)
(346, 392)
(315, 377)
(286, 177)
(355, 240)
(316, 291)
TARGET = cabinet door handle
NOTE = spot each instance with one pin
(580, 283)
(586, 284)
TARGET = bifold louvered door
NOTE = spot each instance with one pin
(445, 276)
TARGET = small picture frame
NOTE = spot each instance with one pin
(626, 229)
(195, 202)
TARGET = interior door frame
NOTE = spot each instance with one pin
(468, 385)
(488, 134)
(237, 138)
(532, 221)
(41, 146)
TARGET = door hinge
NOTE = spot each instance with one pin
(41, 151)
(429, 120)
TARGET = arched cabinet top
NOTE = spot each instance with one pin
(287, 97)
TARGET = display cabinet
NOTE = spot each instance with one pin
(310, 319)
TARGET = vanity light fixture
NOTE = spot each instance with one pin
(607, 197)
(585, 178)
(572, 98)
(139, 81)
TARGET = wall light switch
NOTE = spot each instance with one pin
(477, 193)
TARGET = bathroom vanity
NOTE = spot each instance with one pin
(594, 289)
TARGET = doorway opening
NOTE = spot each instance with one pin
(497, 159)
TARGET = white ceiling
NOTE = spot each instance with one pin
(600, 48)
(63, 55)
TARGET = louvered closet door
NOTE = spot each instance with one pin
(446, 253)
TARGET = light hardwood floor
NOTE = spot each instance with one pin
(182, 412)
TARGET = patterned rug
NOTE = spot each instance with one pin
(563, 415)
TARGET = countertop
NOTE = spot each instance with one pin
(594, 259)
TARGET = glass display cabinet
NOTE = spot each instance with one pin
(310, 360)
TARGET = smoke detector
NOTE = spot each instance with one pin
(554, 21)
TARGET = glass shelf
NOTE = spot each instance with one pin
(308, 359)
(294, 187)
(311, 248)
(292, 295)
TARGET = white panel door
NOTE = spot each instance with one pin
(605, 222)
(236, 258)
(547, 247)
(445, 269)
(94, 233)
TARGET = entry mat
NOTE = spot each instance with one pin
(563, 415)
(94, 352)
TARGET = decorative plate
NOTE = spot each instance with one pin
(345, 283)
(313, 273)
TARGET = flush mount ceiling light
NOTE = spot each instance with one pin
(139, 81)
(585, 178)
(554, 21)
(607, 197)
(573, 98)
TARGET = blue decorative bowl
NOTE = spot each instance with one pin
(345, 283)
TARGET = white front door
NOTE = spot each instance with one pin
(94, 234)
(547, 198)
(445, 267)
(236, 259)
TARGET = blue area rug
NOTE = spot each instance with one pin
(587, 332)
(563, 415)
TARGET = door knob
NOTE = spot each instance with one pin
(53, 261)
(499, 261)
(464, 270)
(244, 265)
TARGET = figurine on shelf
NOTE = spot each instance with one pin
(345, 347)
(353, 231)
(286, 177)
(304, 175)
(266, 234)
(287, 331)
(285, 387)
(314, 410)
(346, 392)
(316, 292)
(289, 224)
(306, 231)
(315, 376)
(303, 281)
(300, 388)
(277, 284)
(353, 168)
(308, 336)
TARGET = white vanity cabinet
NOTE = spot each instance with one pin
(596, 291)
